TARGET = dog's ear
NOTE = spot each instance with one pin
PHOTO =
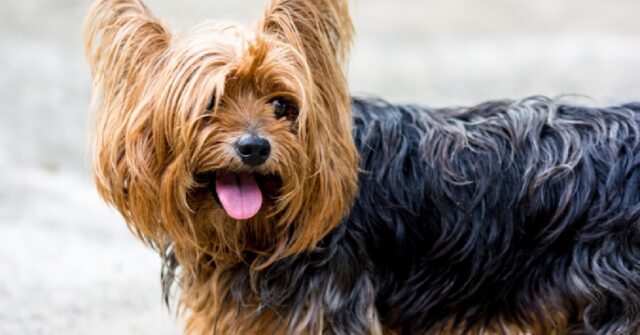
(123, 45)
(320, 31)
(123, 41)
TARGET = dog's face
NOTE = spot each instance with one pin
(250, 92)
(227, 139)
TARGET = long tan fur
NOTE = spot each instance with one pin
(154, 136)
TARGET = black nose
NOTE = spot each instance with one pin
(253, 150)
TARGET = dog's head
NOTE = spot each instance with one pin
(226, 140)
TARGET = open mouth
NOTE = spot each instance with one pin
(243, 194)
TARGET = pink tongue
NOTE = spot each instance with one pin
(239, 194)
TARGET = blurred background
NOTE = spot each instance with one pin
(68, 265)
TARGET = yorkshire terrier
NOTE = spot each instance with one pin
(281, 205)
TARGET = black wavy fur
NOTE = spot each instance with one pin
(503, 211)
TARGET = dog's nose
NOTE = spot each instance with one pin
(253, 150)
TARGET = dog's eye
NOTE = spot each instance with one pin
(283, 108)
(212, 103)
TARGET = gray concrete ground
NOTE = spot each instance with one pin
(68, 265)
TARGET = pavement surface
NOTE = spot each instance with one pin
(68, 264)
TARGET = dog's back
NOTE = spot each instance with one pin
(508, 216)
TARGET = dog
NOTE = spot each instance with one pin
(282, 205)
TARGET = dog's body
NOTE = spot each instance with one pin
(507, 217)
(281, 206)
(524, 212)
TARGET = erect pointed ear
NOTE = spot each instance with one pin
(123, 45)
(320, 32)
(321, 29)
(123, 41)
